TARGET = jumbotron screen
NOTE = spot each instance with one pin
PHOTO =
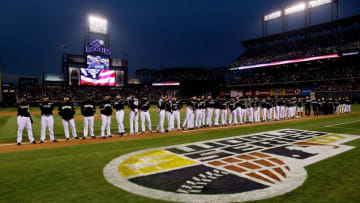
(97, 77)
(97, 62)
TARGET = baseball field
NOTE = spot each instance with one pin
(73, 171)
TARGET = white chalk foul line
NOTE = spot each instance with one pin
(329, 126)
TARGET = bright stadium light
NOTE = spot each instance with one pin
(296, 8)
(316, 3)
(273, 15)
(97, 25)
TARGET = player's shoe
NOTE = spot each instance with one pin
(103, 137)
(33, 142)
(76, 138)
(121, 134)
(41, 141)
(18, 144)
(67, 139)
(110, 136)
(84, 138)
(54, 141)
(93, 137)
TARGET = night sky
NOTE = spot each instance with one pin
(154, 33)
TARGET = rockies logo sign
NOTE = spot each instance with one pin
(235, 169)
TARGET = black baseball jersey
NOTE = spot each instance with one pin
(209, 103)
(23, 109)
(106, 108)
(243, 104)
(168, 106)
(176, 105)
(195, 104)
(161, 104)
(145, 105)
(67, 110)
(224, 104)
(202, 104)
(46, 108)
(251, 104)
(119, 104)
(134, 104)
(256, 103)
(216, 104)
(88, 108)
(269, 103)
(263, 104)
(232, 106)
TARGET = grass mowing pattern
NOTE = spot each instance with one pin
(75, 173)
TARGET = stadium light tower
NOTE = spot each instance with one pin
(97, 24)
(97, 28)
(305, 6)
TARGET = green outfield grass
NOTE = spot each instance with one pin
(74, 174)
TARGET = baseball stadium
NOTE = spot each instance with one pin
(273, 117)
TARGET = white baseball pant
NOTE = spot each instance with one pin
(197, 118)
(264, 112)
(47, 122)
(176, 116)
(120, 120)
(187, 117)
(209, 112)
(251, 114)
(160, 125)
(269, 114)
(66, 128)
(233, 117)
(282, 112)
(134, 119)
(170, 121)
(223, 116)
(203, 117)
(105, 123)
(216, 117)
(277, 113)
(257, 114)
(24, 122)
(89, 124)
(243, 116)
(145, 116)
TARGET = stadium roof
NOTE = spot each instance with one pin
(315, 28)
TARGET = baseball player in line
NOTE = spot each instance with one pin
(106, 112)
(161, 111)
(47, 119)
(175, 107)
(24, 121)
(119, 107)
(67, 112)
(134, 115)
(88, 110)
(145, 115)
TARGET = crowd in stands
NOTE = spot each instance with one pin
(80, 93)
(328, 41)
(292, 74)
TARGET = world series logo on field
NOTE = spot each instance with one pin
(235, 169)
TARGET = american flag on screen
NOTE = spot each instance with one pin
(97, 77)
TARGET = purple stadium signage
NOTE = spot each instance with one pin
(97, 47)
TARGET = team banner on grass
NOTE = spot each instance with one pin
(234, 169)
